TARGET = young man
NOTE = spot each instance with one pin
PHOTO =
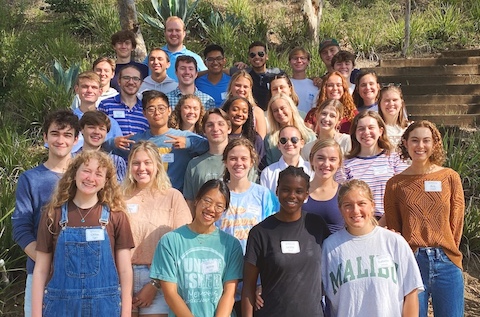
(94, 126)
(158, 62)
(327, 49)
(307, 92)
(176, 147)
(35, 186)
(126, 107)
(344, 62)
(215, 81)
(186, 70)
(105, 68)
(124, 43)
(174, 36)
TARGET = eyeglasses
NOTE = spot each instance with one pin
(217, 59)
(152, 110)
(293, 139)
(128, 78)
(207, 203)
(299, 58)
(253, 54)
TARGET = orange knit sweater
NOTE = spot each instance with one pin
(427, 218)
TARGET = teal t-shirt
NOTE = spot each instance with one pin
(199, 264)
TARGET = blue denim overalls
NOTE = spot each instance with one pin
(85, 281)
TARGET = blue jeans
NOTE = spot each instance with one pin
(443, 281)
(27, 307)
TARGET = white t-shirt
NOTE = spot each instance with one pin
(307, 93)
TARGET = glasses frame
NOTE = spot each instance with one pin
(253, 54)
(206, 203)
(293, 139)
(153, 110)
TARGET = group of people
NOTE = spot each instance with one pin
(181, 187)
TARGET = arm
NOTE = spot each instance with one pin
(457, 206)
(125, 274)
(30, 250)
(250, 275)
(145, 296)
(410, 304)
(174, 301)
(225, 304)
(40, 276)
(260, 122)
(392, 212)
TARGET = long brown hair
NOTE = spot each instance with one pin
(382, 141)
(438, 152)
(232, 144)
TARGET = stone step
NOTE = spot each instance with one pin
(458, 120)
(431, 61)
(421, 109)
(441, 99)
(430, 70)
(441, 90)
(406, 80)
(461, 53)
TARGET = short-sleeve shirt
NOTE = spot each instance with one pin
(218, 91)
(175, 95)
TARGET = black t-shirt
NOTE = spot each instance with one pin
(261, 86)
(288, 256)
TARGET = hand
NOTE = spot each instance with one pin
(258, 298)
(178, 142)
(240, 65)
(123, 142)
(317, 81)
(145, 296)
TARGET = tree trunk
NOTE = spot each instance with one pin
(129, 21)
(312, 12)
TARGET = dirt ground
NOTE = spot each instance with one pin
(472, 289)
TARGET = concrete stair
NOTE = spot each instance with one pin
(444, 89)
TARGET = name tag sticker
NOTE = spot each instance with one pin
(433, 186)
(168, 158)
(291, 247)
(380, 170)
(384, 261)
(118, 114)
(132, 208)
(95, 234)
(210, 266)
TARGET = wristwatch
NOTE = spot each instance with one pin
(156, 284)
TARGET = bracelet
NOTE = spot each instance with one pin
(155, 284)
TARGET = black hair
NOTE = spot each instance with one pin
(212, 48)
(62, 118)
(95, 118)
(258, 43)
(248, 128)
(295, 172)
(214, 184)
(149, 95)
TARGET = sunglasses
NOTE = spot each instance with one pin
(253, 54)
(293, 139)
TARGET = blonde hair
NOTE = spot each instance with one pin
(175, 120)
(359, 185)
(110, 195)
(297, 120)
(241, 73)
(321, 144)
(161, 181)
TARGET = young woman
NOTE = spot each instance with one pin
(280, 113)
(241, 85)
(329, 114)
(240, 112)
(290, 143)
(188, 114)
(285, 251)
(84, 237)
(334, 86)
(372, 158)
(282, 84)
(393, 112)
(250, 203)
(425, 203)
(325, 159)
(368, 270)
(199, 265)
(155, 208)
(366, 91)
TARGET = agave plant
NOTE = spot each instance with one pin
(62, 79)
(167, 8)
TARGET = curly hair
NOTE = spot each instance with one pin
(110, 195)
(161, 181)
(232, 144)
(349, 108)
(358, 185)
(295, 172)
(175, 120)
(297, 120)
(438, 152)
(248, 128)
(401, 119)
(382, 141)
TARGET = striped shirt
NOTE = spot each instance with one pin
(130, 120)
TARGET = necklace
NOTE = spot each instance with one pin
(83, 217)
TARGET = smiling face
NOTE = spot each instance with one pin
(156, 113)
(239, 162)
(60, 140)
(345, 68)
(88, 90)
(190, 111)
(290, 149)
(334, 87)
(238, 114)
(327, 54)
(420, 144)
(123, 49)
(216, 129)
(368, 89)
(299, 62)
(90, 178)
(186, 73)
(209, 208)
(357, 210)
(327, 119)
(175, 33)
(280, 85)
(158, 62)
(242, 88)
(391, 104)
(326, 161)
(258, 57)
(94, 135)
(215, 62)
(143, 169)
(129, 81)
(105, 71)
(368, 132)
(292, 192)
(282, 113)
